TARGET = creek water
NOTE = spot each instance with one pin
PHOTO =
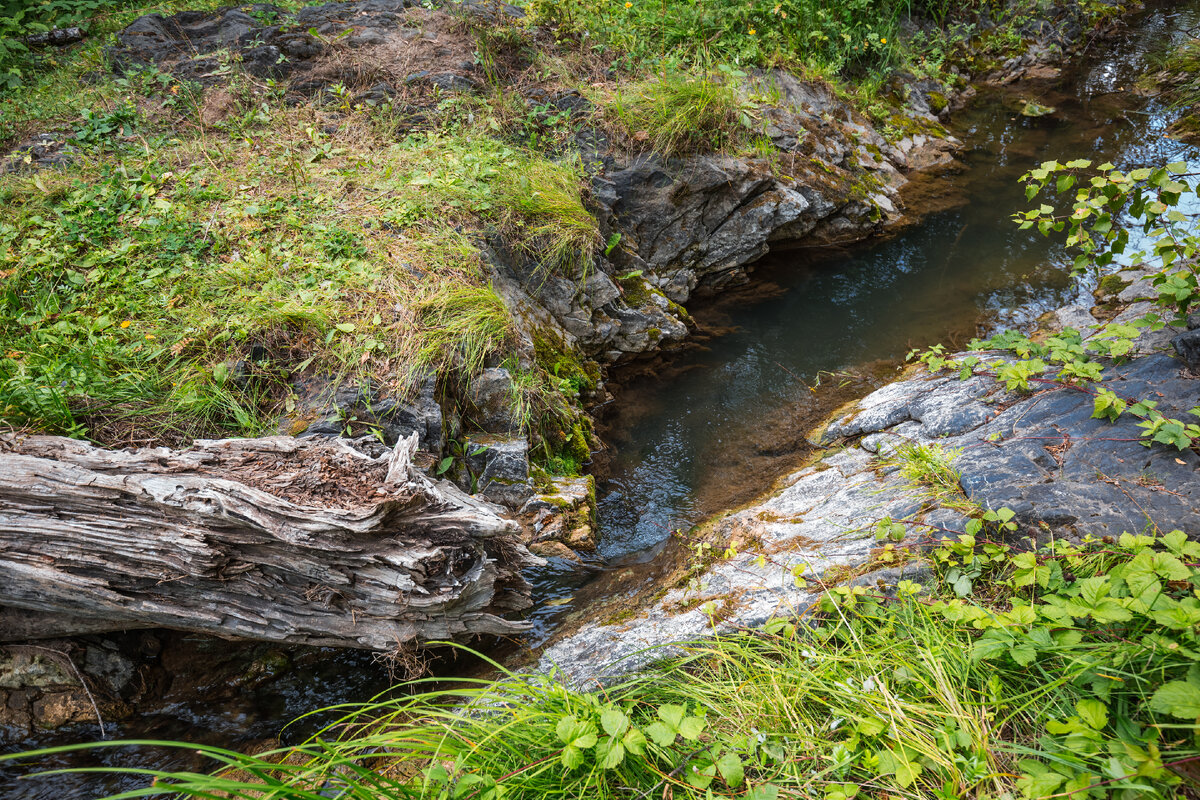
(716, 424)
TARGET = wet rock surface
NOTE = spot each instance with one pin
(1042, 455)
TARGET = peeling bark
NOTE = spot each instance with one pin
(306, 541)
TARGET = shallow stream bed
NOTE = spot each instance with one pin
(714, 425)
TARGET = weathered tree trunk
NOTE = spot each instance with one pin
(311, 541)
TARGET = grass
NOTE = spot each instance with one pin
(545, 207)
(1075, 674)
(839, 37)
(173, 246)
(679, 112)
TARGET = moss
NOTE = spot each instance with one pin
(1186, 128)
(542, 480)
(624, 615)
(636, 290)
(937, 102)
(680, 312)
(1109, 286)
(557, 359)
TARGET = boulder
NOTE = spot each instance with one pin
(498, 469)
(491, 394)
(1187, 345)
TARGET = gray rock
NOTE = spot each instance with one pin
(23, 669)
(366, 409)
(115, 670)
(499, 470)
(1187, 345)
(491, 394)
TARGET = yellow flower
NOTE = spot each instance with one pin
(883, 41)
(126, 323)
(151, 336)
(629, 5)
(752, 31)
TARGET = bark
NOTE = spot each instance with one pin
(308, 541)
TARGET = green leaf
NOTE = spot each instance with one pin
(700, 776)
(763, 791)
(1092, 590)
(672, 714)
(634, 741)
(730, 767)
(614, 722)
(661, 734)
(1177, 698)
(1023, 654)
(1093, 712)
(574, 733)
(571, 757)
(345, 327)
(691, 728)
(610, 753)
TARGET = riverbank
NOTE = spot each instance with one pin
(742, 235)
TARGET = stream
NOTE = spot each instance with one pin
(712, 426)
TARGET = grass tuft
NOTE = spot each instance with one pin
(679, 113)
(545, 206)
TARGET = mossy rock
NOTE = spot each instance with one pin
(636, 290)
(1110, 286)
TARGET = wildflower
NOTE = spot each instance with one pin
(883, 41)
(126, 323)
(752, 31)
(629, 5)
(151, 336)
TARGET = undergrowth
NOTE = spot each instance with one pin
(138, 279)
(1070, 671)
(681, 112)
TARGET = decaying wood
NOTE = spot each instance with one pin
(311, 541)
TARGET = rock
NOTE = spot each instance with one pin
(499, 469)
(25, 668)
(565, 513)
(109, 666)
(62, 708)
(553, 549)
(492, 394)
(582, 537)
(1064, 473)
(450, 82)
(1077, 317)
(355, 410)
(1187, 345)
(38, 152)
(55, 37)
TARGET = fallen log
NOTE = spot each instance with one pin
(307, 541)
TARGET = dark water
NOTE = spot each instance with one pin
(720, 423)
(686, 448)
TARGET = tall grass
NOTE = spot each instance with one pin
(460, 327)
(681, 112)
(545, 206)
(840, 36)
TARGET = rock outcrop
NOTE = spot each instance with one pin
(1041, 454)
